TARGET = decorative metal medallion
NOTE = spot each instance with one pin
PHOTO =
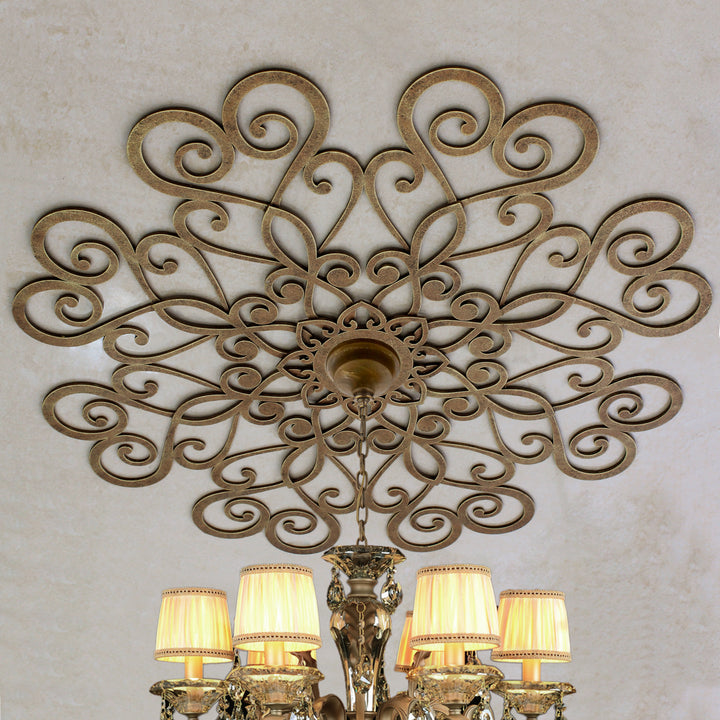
(497, 319)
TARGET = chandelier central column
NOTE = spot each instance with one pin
(361, 621)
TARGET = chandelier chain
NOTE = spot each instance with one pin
(361, 510)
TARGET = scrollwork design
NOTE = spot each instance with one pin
(264, 417)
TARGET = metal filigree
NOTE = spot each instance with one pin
(502, 319)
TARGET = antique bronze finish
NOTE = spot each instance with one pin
(454, 686)
(191, 698)
(278, 690)
(533, 699)
(522, 354)
(363, 368)
(361, 621)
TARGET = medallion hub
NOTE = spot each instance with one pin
(364, 367)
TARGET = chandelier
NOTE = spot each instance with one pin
(406, 371)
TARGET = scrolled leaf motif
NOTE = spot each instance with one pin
(531, 172)
(507, 215)
(470, 125)
(248, 514)
(311, 173)
(219, 222)
(83, 268)
(592, 443)
(92, 261)
(258, 126)
(216, 151)
(478, 512)
(438, 528)
(426, 271)
(195, 445)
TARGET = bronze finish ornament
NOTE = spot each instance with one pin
(488, 323)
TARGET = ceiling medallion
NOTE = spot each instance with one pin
(488, 325)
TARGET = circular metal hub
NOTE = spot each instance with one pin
(363, 367)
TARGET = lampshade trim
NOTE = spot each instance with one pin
(556, 594)
(288, 568)
(418, 641)
(289, 637)
(184, 652)
(547, 655)
(194, 591)
(446, 569)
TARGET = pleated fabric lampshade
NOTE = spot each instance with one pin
(194, 628)
(454, 611)
(533, 629)
(257, 657)
(405, 653)
(277, 611)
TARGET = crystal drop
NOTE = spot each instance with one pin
(363, 680)
(336, 593)
(484, 714)
(391, 594)
(419, 711)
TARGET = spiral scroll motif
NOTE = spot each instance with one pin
(466, 340)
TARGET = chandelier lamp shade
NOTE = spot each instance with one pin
(405, 654)
(534, 629)
(194, 628)
(277, 611)
(454, 611)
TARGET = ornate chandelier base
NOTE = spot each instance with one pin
(456, 687)
(278, 689)
(191, 698)
(533, 698)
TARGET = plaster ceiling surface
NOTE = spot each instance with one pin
(84, 561)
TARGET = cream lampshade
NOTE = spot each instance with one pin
(454, 611)
(257, 657)
(194, 628)
(534, 629)
(405, 652)
(276, 611)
